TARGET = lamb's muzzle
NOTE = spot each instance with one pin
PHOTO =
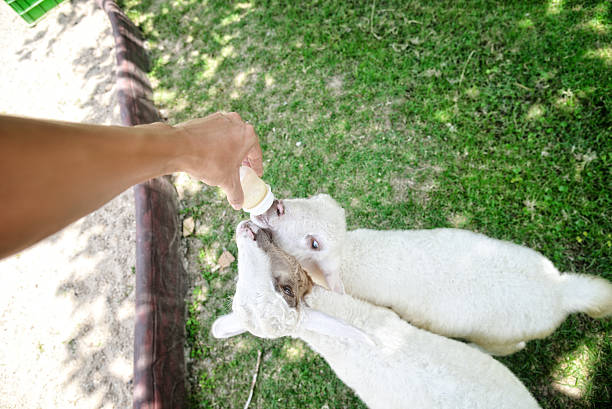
(276, 210)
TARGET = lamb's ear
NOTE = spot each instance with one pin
(322, 323)
(227, 326)
(325, 277)
(334, 282)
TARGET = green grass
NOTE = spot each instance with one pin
(490, 116)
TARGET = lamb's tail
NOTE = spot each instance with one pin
(588, 294)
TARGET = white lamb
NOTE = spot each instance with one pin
(386, 361)
(453, 282)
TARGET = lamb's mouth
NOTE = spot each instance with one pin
(261, 221)
(251, 230)
(248, 229)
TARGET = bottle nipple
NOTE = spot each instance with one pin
(258, 196)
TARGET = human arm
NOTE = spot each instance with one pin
(52, 173)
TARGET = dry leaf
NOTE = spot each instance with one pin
(188, 226)
(225, 259)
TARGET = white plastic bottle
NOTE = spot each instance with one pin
(258, 196)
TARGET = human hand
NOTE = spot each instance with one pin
(214, 149)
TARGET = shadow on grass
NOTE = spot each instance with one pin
(469, 114)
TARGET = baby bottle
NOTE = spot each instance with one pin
(258, 196)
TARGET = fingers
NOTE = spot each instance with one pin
(233, 190)
(233, 116)
(254, 156)
(227, 141)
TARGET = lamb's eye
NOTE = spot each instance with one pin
(314, 244)
(287, 290)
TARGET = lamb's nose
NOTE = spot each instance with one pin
(259, 220)
(280, 208)
(247, 228)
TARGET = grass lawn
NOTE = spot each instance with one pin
(490, 116)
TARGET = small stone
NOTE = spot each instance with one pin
(188, 226)
(226, 259)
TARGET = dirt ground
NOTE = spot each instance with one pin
(67, 304)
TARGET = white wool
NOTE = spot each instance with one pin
(452, 282)
(256, 302)
(409, 367)
(402, 367)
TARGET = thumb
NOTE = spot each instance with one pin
(233, 190)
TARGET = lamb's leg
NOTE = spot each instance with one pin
(499, 349)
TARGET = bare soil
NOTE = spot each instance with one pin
(67, 303)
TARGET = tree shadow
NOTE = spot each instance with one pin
(99, 66)
(100, 348)
(93, 62)
(77, 11)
